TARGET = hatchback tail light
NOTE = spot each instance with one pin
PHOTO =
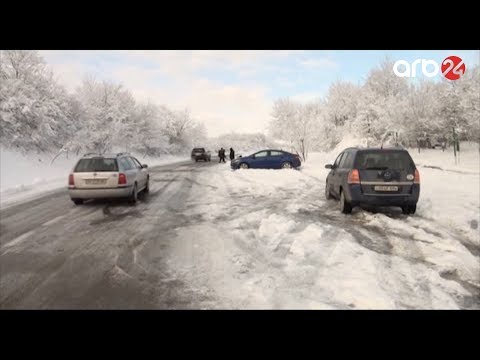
(353, 177)
(416, 180)
(71, 181)
(122, 179)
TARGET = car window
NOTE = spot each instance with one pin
(125, 164)
(276, 153)
(349, 162)
(96, 165)
(261, 154)
(337, 161)
(380, 160)
(136, 162)
(131, 162)
(345, 160)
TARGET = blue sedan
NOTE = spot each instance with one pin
(267, 159)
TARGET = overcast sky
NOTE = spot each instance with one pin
(229, 90)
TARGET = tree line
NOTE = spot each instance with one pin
(383, 106)
(38, 114)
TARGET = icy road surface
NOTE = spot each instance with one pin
(210, 238)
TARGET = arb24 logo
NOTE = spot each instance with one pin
(452, 68)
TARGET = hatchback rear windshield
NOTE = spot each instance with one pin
(199, 150)
(96, 165)
(382, 160)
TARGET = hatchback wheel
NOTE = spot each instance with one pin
(243, 166)
(409, 209)
(345, 206)
(77, 201)
(147, 186)
(286, 165)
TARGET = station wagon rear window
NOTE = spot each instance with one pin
(96, 165)
(382, 160)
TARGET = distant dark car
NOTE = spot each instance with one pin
(267, 159)
(372, 176)
(200, 154)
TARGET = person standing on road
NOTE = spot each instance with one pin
(232, 154)
(222, 155)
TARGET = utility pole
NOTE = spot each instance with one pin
(368, 127)
(454, 145)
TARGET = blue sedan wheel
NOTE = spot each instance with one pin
(243, 166)
(286, 165)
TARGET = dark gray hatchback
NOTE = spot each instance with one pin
(374, 176)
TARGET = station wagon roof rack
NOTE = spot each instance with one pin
(122, 153)
(91, 153)
(395, 146)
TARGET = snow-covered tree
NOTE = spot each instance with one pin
(295, 124)
(37, 114)
(33, 107)
(108, 109)
(342, 102)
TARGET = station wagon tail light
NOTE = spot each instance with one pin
(122, 179)
(71, 181)
(417, 177)
(353, 177)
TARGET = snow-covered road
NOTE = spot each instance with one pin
(208, 237)
(282, 245)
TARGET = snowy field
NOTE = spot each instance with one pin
(25, 177)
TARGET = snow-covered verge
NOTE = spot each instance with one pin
(23, 177)
(280, 244)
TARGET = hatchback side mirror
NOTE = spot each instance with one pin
(144, 166)
(329, 166)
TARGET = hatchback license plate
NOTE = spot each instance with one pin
(385, 188)
(95, 181)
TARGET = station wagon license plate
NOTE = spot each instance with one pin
(95, 181)
(385, 188)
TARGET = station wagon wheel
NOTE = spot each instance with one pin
(286, 165)
(147, 186)
(345, 207)
(243, 166)
(134, 195)
(328, 195)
